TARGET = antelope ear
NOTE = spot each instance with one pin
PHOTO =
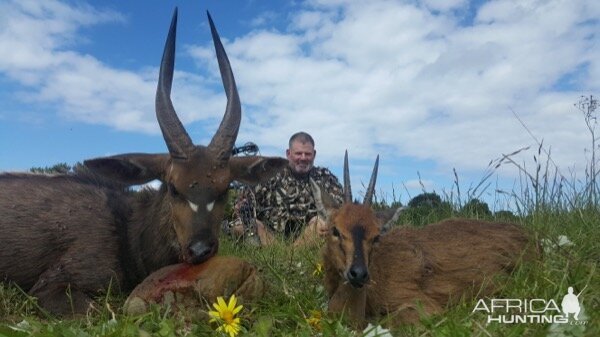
(254, 169)
(131, 168)
(324, 202)
(388, 217)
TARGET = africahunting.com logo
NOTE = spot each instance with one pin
(532, 311)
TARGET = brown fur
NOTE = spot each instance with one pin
(65, 238)
(413, 271)
(70, 232)
(61, 231)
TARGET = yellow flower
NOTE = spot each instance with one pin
(318, 269)
(315, 319)
(225, 315)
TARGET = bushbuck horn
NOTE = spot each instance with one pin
(347, 188)
(177, 139)
(371, 188)
(224, 140)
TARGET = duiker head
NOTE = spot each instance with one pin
(196, 177)
(354, 229)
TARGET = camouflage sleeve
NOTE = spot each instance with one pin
(244, 193)
(260, 200)
(332, 185)
(264, 199)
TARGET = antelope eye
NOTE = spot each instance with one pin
(335, 232)
(376, 239)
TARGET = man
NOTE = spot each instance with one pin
(285, 204)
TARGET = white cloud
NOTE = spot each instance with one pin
(400, 78)
(416, 184)
(362, 75)
(444, 5)
(33, 32)
(263, 19)
(35, 37)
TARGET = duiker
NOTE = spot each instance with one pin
(408, 272)
(71, 233)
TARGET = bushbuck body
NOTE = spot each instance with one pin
(408, 272)
(73, 234)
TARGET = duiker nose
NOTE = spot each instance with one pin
(358, 275)
(201, 251)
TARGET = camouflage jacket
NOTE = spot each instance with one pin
(285, 203)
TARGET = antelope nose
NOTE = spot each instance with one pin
(358, 275)
(201, 251)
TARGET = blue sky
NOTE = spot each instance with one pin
(429, 85)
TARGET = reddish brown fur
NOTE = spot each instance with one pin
(432, 267)
(349, 215)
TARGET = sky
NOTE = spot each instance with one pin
(432, 86)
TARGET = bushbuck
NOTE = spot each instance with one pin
(63, 238)
(409, 272)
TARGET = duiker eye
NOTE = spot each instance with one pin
(335, 232)
(376, 239)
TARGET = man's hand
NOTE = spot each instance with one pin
(315, 230)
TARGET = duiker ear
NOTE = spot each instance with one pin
(388, 217)
(324, 202)
(254, 169)
(131, 168)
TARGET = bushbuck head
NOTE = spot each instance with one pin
(354, 229)
(195, 178)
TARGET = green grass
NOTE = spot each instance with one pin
(294, 292)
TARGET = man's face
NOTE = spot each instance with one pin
(301, 157)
